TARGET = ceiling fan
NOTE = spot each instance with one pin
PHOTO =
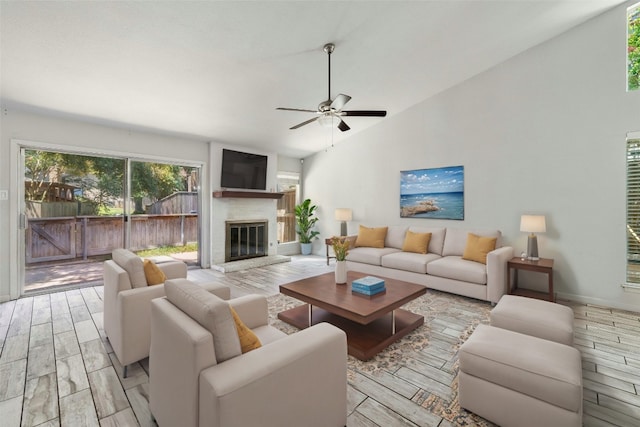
(330, 111)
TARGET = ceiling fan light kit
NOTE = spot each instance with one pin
(330, 112)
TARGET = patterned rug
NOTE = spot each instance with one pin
(446, 315)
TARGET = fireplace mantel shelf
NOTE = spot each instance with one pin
(247, 194)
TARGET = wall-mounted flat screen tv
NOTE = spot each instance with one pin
(243, 170)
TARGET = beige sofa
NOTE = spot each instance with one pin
(127, 298)
(292, 380)
(442, 267)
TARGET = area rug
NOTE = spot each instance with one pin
(449, 321)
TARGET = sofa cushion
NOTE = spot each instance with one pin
(478, 247)
(408, 261)
(268, 334)
(395, 236)
(213, 313)
(132, 264)
(437, 238)
(153, 273)
(369, 255)
(456, 268)
(416, 242)
(371, 237)
(455, 240)
(248, 340)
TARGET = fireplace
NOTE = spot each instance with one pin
(246, 239)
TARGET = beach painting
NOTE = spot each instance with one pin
(432, 193)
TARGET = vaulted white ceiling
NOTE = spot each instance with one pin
(216, 70)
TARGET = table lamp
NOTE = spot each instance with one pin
(343, 215)
(532, 224)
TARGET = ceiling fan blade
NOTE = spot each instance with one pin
(306, 122)
(296, 109)
(343, 126)
(339, 102)
(365, 113)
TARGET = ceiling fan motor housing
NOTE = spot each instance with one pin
(325, 106)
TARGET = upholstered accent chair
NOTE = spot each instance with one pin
(127, 303)
(199, 377)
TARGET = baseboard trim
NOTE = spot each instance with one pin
(598, 301)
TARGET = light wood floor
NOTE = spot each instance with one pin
(57, 368)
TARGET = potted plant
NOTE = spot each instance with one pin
(305, 221)
(341, 250)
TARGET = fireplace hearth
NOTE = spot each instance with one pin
(246, 239)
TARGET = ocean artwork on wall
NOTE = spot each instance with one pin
(432, 193)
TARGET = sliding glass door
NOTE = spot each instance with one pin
(77, 208)
(164, 210)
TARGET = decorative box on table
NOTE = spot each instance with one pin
(368, 285)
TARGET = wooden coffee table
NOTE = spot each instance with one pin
(371, 323)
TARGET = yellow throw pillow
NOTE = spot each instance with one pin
(371, 237)
(416, 242)
(248, 340)
(478, 247)
(152, 272)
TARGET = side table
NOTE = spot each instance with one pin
(327, 242)
(543, 265)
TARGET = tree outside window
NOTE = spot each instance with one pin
(633, 47)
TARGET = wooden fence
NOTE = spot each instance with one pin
(287, 217)
(58, 209)
(178, 202)
(50, 239)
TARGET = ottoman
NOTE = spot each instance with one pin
(514, 379)
(542, 319)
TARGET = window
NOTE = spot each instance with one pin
(288, 183)
(633, 208)
(633, 47)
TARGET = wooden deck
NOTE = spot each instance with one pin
(55, 276)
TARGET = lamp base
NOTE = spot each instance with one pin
(343, 228)
(532, 248)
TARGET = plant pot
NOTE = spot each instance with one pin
(341, 272)
(305, 248)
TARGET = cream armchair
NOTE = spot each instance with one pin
(127, 298)
(291, 380)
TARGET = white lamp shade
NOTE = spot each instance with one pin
(343, 214)
(533, 223)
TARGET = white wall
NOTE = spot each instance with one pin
(542, 133)
(289, 164)
(82, 136)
